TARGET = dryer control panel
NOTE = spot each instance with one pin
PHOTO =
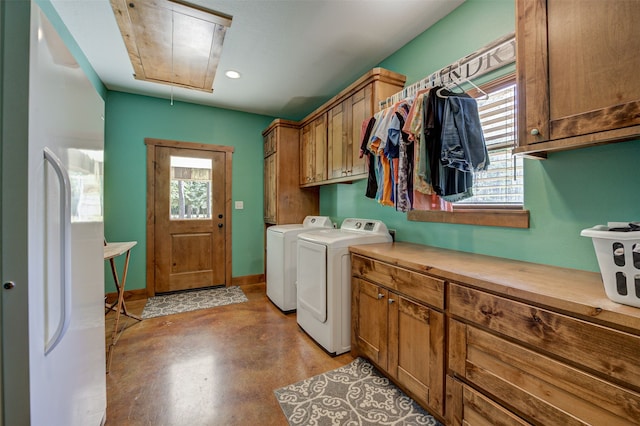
(364, 225)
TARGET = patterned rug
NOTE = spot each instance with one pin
(186, 301)
(356, 394)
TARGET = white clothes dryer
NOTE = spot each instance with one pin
(281, 260)
(324, 280)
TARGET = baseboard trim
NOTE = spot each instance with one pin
(137, 294)
(248, 280)
(141, 293)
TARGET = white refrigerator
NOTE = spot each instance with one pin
(53, 337)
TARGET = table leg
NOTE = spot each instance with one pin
(120, 306)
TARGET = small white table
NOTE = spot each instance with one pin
(111, 251)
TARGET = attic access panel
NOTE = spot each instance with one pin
(170, 42)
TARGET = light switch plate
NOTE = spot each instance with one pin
(239, 205)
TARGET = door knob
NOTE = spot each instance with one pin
(9, 285)
(220, 225)
(220, 216)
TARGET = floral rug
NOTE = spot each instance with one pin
(192, 300)
(356, 394)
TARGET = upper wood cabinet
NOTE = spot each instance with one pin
(284, 200)
(313, 151)
(577, 65)
(342, 117)
(344, 134)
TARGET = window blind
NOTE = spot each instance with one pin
(502, 182)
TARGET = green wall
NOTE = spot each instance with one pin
(132, 118)
(565, 193)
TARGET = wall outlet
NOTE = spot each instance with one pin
(239, 205)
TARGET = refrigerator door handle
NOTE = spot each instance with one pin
(65, 249)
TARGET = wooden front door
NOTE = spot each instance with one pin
(190, 218)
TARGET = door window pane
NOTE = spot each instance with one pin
(190, 188)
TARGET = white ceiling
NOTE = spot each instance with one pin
(292, 54)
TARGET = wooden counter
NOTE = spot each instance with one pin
(579, 293)
(482, 340)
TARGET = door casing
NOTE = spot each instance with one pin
(152, 144)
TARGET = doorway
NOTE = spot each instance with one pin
(188, 215)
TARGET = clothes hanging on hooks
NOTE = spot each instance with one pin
(424, 149)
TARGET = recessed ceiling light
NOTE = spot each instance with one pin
(232, 74)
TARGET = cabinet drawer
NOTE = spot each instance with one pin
(544, 390)
(611, 353)
(418, 286)
(465, 406)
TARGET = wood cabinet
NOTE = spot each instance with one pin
(549, 368)
(577, 65)
(331, 133)
(526, 344)
(344, 134)
(284, 200)
(313, 155)
(398, 330)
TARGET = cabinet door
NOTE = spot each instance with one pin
(416, 350)
(344, 128)
(270, 189)
(361, 108)
(319, 135)
(307, 152)
(313, 153)
(270, 143)
(577, 70)
(369, 321)
(337, 142)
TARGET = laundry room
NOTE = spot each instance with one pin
(431, 202)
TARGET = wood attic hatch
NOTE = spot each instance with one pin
(172, 42)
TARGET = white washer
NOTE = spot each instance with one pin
(324, 280)
(281, 260)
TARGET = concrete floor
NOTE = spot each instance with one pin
(216, 366)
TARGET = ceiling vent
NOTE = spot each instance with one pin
(172, 42)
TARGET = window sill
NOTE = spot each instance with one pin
(507, 218)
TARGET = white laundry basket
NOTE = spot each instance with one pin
(618, 256)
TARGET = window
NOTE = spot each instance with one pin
(501, 185)
(190, 188)
(499, 191)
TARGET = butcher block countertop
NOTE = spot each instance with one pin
(575, 292)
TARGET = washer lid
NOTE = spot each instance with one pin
(281, 229)
(309, 222)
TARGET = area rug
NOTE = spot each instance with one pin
(186, 301)
(356, 394)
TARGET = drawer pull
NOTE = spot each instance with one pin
(380, 296)
(391, 301)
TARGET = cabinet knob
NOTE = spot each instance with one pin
(380, 296)
(535, 132)
(391, 301)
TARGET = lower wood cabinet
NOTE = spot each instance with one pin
(403, 337)
(479, 340)
(543, 367)
(466, 406)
